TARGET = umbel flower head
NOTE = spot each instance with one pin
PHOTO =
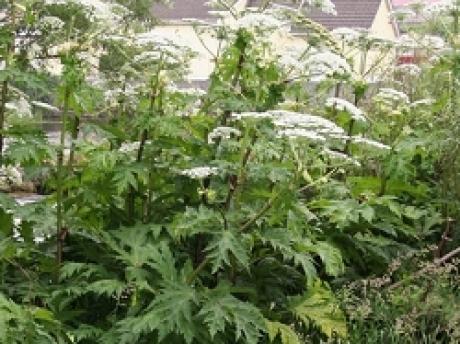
(346, 34)
(323, 65)
(390, 96)
(326, 6)
(20, 107)
(200, 172)
(223, 133)
(409, 69)
(295, 125)
(103, 11)
(344, 105)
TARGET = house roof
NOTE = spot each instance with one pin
(350, 13)
(181, 9)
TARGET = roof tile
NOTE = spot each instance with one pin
(351, 13)
(180, 9)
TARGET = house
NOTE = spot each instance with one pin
(372, 15)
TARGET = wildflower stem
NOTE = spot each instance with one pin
(236, 181)
(191, 278)
(60, 181)
(421, 272)
(74, 135)
(154, 85)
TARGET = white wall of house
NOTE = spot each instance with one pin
(383, 27)
(204, 46)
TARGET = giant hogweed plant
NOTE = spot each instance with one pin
(190, 216)
(435, 98)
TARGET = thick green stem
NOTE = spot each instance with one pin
(131, 202)
(60, 230)
(235, 79)
(74, 137)
(236, 181)
(2, 117)
(351, 126)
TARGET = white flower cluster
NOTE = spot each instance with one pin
(406, 41)
(314, 65)
(344, 105)
(392, 96)
(315, 128)
(346, 34)
(254, 115)
(258, 23)
(293, 124)
(129, 147)
(433, 42)
(292, 60)
(113, 96)
(200, 172)
(51, 23)
(422, 102)
(223, 133)
(369, 142)
(409, 69)
(326, 6)
(159, 47)
(300, 132)
(332, 154)
(103, 11)
(320, 125)
(10, 176)
(186, 91)
(441, 7)
(323, 65)
(20, 107)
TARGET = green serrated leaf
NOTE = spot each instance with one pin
(222, 308)
(194, 221)
(318, 305)
(223, 245)
(331, 258)
(285, 333)
(107, 287)
(170, 312)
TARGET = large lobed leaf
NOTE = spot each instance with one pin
(319, 306)
(224, 245)
(221, 309)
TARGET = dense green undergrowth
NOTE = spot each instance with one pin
(259, 210)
